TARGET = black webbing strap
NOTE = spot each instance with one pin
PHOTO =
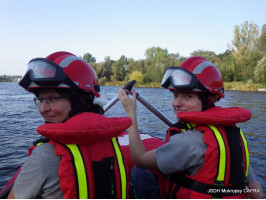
(41, 140)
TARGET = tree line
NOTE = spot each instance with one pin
(7, 78)
(244, 60)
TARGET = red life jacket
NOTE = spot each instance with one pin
(98, 132)
(91, 163)
(225, 169)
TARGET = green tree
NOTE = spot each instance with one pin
(154, 73)
(98, 68)
(172, 59)
(251, 60)
(104, 69)
(209, 55)
(138, 65)
(260, 70)
(244, 42)
(262, 39)
(156, 54)
(5, 78)
(157, 61)
(245, 39)
(107, 68)
(89, 58)
(226, 64)
(131, 65)
(119, 69)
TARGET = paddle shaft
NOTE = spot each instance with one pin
(128, 87)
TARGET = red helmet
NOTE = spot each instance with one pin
(195, 74)
(206, 72)
(60, 70)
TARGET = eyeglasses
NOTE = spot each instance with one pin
(181, 79)
(44, 72)
(52, 101)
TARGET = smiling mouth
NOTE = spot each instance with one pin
(48, 117)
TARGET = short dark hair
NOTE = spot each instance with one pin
(82, 101)
(207, 100)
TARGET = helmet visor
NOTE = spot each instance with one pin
(181, 79)
(46, 73)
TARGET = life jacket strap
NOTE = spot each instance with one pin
(41, 140)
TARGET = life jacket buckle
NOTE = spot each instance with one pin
(218, 183)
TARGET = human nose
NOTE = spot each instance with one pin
(44, 106)
(177, 102)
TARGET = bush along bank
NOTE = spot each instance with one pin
(238, 86)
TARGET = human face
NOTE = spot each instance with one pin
(186, 102)
(56, 113)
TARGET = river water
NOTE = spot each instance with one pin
(19, 119)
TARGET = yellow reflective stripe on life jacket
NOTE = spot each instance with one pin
(222, 153)
(246, 151)
(122, 169)
(80, 171)
(189, 126)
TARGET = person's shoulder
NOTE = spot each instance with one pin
(44, 156)
(189, 137)
(188, 134)
(44, 150)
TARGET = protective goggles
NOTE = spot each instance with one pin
(177, 78)
(44, 72)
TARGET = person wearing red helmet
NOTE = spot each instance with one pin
(205, 154)
(79, 156)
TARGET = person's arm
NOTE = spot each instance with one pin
(11, 194)
(39, 175)
(29, 181)
(255, 189)
(141, 157)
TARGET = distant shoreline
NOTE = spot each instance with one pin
(233, 86)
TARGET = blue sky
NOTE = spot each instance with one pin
(36, 28)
